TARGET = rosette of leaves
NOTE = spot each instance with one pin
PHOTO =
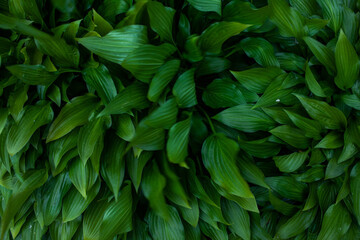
(186, 119)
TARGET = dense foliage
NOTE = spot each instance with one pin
(179, 119)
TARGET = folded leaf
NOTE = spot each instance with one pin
(292, 136)
(312, 84)
(72, 115)
(177, 143)
(312, 128)
(117, 44)
(218, 155)
(207, 6)
(136, 166)
(331, 141)
(161, 19)
(291, 162)
(332, 10)
(82, 176)
(164, 116)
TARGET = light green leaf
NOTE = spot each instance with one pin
(328, 116)
(238, 218)
(162, 78)
(145, 61)
(100, 79)
(162, 229)
(21, 132)
(298, 223)
(152, 186)
(312, 128)
(336, 222)
(161, 19)
(184, 89)
(218, 155)
(104, 220)
(251, 120)
(164, 116)
(72, 115)
(82, 176)
(347, 63)
(333, 11)
(124, 126)
(113, 163)
(291, 162)
(102, 26)
(325, 56)
(74, 203)
(136, 166)
(206, 5)
(261, 50)
(287, 19)
(178, 141)
(23, 189)
(312, 84)
(117, 44)
(33, 74)
(132, 97)
(222, 93)
(257, 79)
(212, 39)
(331, 141)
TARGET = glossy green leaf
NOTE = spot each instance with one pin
(347, 63)
(117, 44)
(33, 118)
(207, 6)
(250, 171)
(72, 115)
(332, 10)
(62, 231)
(177, 143)
(291, 162)
(161, 19)
(312, 84)
(164, 116)
(136, 166)
(148, 138)
(145, 61)
(261, 148)
(82, 176)
(33, 74)
(238, 218)
(218, 155)
(184, 89)
(354, 187)
(252, 120)
(288, 187)
(312, 128)
(261, 50)
(331, 141)
(212, 39)
(292, 136)
(244, 12)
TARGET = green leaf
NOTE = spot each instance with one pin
(261, 148)
(113, 164)
(184, 89)
(178, 141)
(213, 233)
(350, 149)
(162, 229)
(31, 181)
(336, 222)
(252, 120)
(33, 74)
(145, 61)
(292, 136)
(291, 162)
(152, 186)
(332, 10)
(351, 100)
(288, 187)
(261, 50)
(354, 187)
(164, 116)
(328, 116)
(149, 139)
(305, 7)
(222, 93)
(191, 215)
(100, 79)
(162, 78)
(287, 19)
(312, 84)
(207, 6)
(312, 128)
(124, 126)
(132, 97)
(59, 230)
(238, 218)
(298, 223)
(88, 136)
(102, 26)
(331, 141)
(244, 12)
(347, 63)
(136, 166)
(82, 176)
(17, 99)
(105, 220)
(110, 8)
(212, 39)
(161, 19)
(325, 56)
(117, 44)
(74, 203)
(251, 172)
(72, 115)
(218, 155)
(21, 132)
